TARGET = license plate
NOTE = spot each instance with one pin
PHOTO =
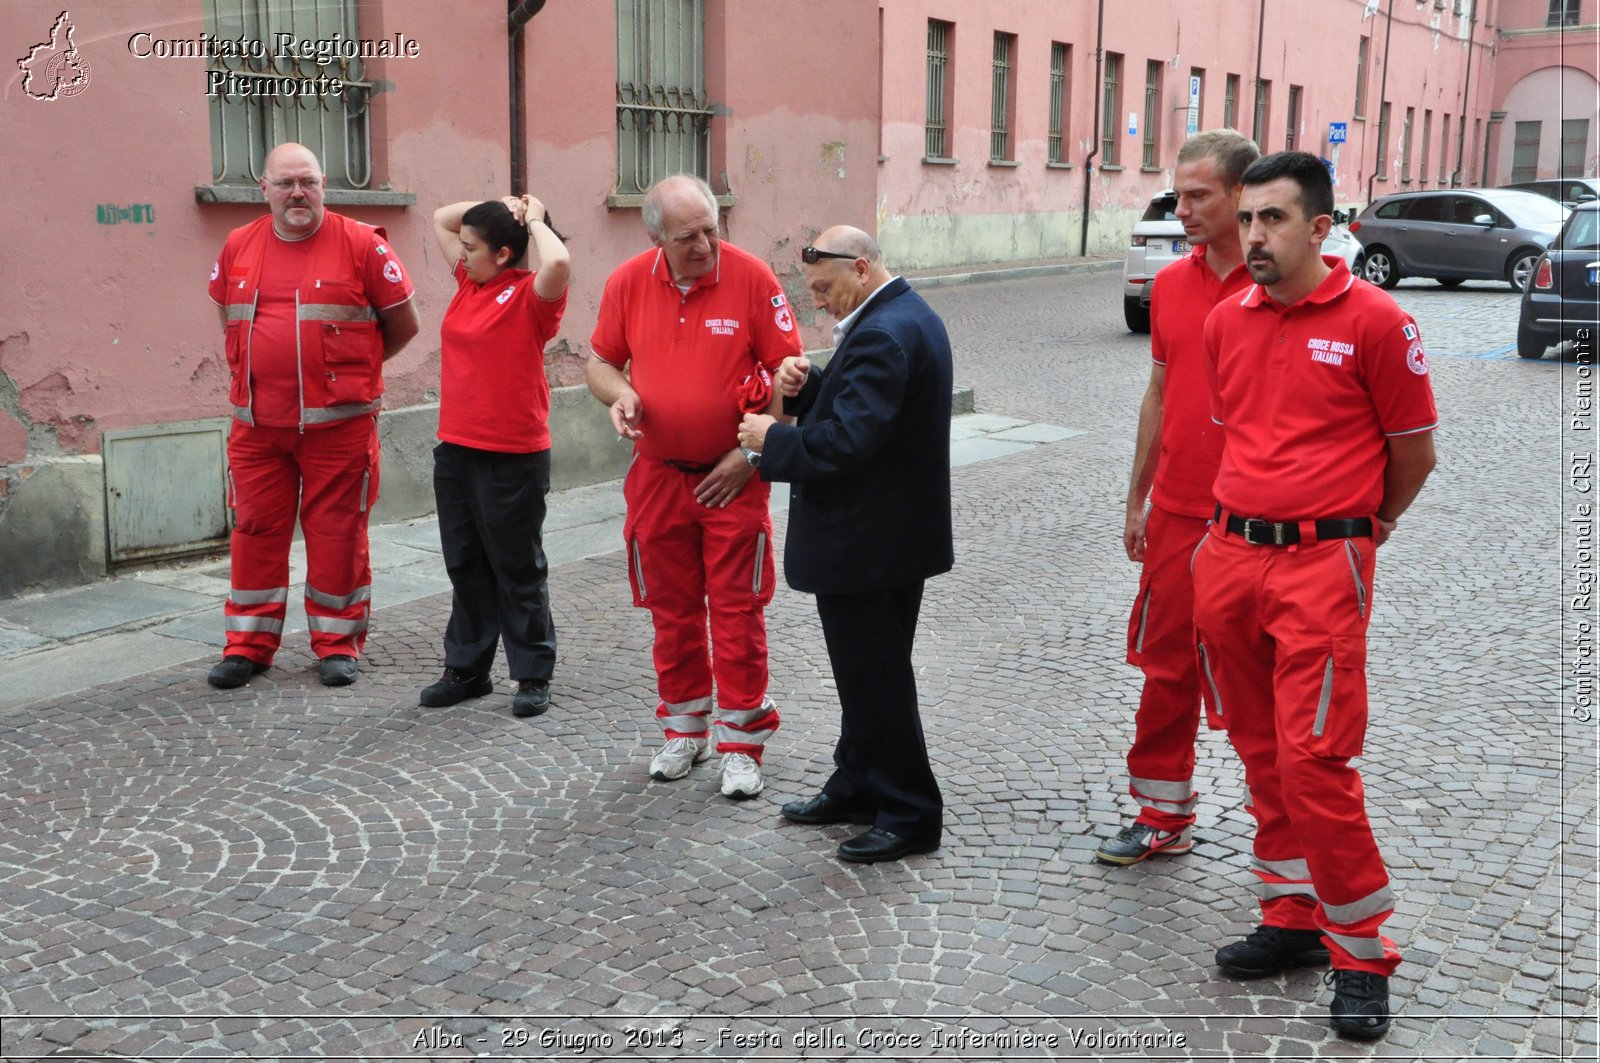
(1180, 247)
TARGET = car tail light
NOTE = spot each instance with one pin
(1355, 226)
(1139, 241)
(1543, 276)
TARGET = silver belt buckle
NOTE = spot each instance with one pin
(1263, 532)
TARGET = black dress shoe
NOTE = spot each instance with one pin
(824, 809)
(234, 671)
(531, 699)
(456, 686)
(338, 670)
(878, 844)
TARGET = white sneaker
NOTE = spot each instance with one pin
(741, 776)
(677, 757)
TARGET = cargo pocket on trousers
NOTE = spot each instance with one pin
(1340, 723)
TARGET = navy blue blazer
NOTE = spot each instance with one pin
(869, 460)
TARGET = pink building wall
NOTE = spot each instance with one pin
(1544, 75)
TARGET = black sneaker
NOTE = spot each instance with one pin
(234, 671)
(1141, 840)
(336, 670)
(454, 687)
(532, 698)
(1360, 1005)
(1270, 949)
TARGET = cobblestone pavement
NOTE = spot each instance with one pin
(287, 871)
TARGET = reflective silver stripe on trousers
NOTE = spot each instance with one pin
(688, 717)
(270, 596)
(329, 625)
(335, 312)
(334, 601)
(1378, 901)
(244, 416)
(1295, 869)
(241, 311)
(638, 574)
(744, 717)
(761, 549)
(339, 413)
(1164, 789)
(1354, 557)
(271, 624)
(1271, 890)
(1144, 618)
(1361, 948)
(1325, 700)
(1205, 666)
(748, 738)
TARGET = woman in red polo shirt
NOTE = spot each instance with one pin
(491, 469)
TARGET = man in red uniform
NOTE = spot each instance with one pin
(702, 324)
(312, 303)
(1174, 462)
(1321, 385)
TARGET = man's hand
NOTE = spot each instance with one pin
(753, 430)
(1133, 539)
(1385, 529)
(791, 376)
(723, 484)
(625, 415)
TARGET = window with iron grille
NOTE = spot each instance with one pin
(1290, 134)
(244, 128)
(1574, 146)
(1427, 135)
(1230, 102)
(1060, 99)
(1111, 111)
(1405, 146)
(1383, 140)
(1152, 113)
(936, 129)
(663, 114)
(1444, 147)
(1525, 152)
(1361, 76)
(1472, 162)
(1258, 132)
(1004, 100)
(1563, 13)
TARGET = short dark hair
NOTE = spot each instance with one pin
(1305, 170)
(494, 222)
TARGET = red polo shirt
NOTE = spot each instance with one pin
(1181, 297)
(690, 351)
(1308, 395)
(492, 391)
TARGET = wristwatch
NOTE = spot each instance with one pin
(751, 457)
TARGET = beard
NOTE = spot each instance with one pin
(1263, 269)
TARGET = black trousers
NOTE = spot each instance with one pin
(491, 525)
(881, 762)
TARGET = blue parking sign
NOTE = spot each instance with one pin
(1336, 132)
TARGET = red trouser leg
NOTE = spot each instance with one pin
(662, 534)
(1283, 638)
(1161, 643)
(263, 486)
(339, 484)
(739, 583)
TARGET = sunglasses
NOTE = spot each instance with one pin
(811, 256)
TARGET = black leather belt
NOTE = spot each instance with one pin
(688, 466)
(1287, 533)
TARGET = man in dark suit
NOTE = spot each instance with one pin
(869, 521)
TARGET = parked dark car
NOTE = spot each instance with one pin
(1563, 297)
(1456, 234)
(1568, 191)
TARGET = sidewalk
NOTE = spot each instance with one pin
(71, 640)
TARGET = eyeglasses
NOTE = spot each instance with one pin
(811, 256)
(289, 184)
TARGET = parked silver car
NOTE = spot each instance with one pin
(1158, 240)
(1456, 234)
(1568, 191)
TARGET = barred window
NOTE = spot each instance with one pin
(936, 128)
(1004, 101)
(1525, 151)
(1230, 103)
(1444, 148)
(1383, 139)
(1292, 131)
(1111, 107)
(1574, 146)
(1361, 76)
(1405, 145)
(245, 126)
(663, 114)
(1427, 135)
(1060, 99)
(1258, 132)
(1152, 113)
(1563, 13)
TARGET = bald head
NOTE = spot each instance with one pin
(839, 285)
(293, 185)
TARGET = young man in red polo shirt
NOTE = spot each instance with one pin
(1174, 462)
(701, 325)
(1321, 387)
